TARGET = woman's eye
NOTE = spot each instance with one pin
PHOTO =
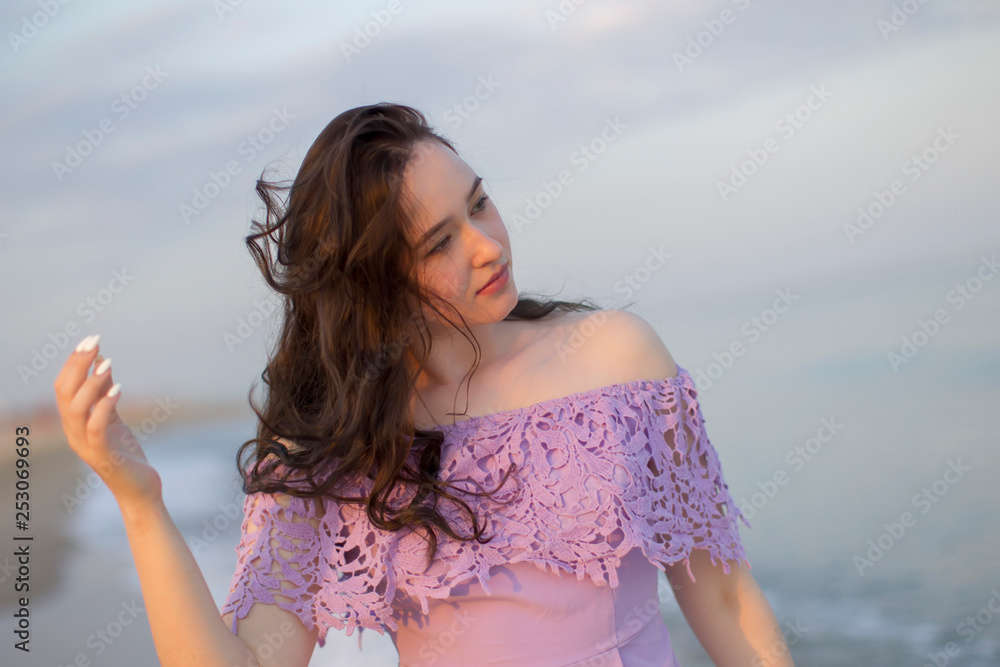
(480, 205)
(440, 246)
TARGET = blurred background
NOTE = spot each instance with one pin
(800, 197)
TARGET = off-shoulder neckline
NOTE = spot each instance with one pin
(569, 398)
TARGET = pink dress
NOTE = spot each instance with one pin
(611, 483)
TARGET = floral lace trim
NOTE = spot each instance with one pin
(624, 466)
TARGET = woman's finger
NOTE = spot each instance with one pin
(89, 392)
(68, 382)
(74, 371)
(100, 419)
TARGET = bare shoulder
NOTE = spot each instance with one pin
(619, 346)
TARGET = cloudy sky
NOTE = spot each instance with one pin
(117, 115)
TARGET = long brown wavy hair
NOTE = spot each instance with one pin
(351, 346)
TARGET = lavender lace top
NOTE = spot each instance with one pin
(611, 483)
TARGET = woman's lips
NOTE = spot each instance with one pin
(498, 280)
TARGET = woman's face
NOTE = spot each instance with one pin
(456, 259)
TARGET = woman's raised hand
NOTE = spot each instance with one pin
(97, 433)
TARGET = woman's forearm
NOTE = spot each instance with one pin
(740, 631)
(185, 623)
(752, 619)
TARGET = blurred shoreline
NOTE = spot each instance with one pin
(56, 470)
(58, 475)
(141, 414)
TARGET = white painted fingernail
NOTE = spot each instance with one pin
(87, 344)
(114, 390)
(105, 365)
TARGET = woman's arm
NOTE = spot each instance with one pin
(186, 626)
(728, 613)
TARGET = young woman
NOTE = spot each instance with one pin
(375, 502)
